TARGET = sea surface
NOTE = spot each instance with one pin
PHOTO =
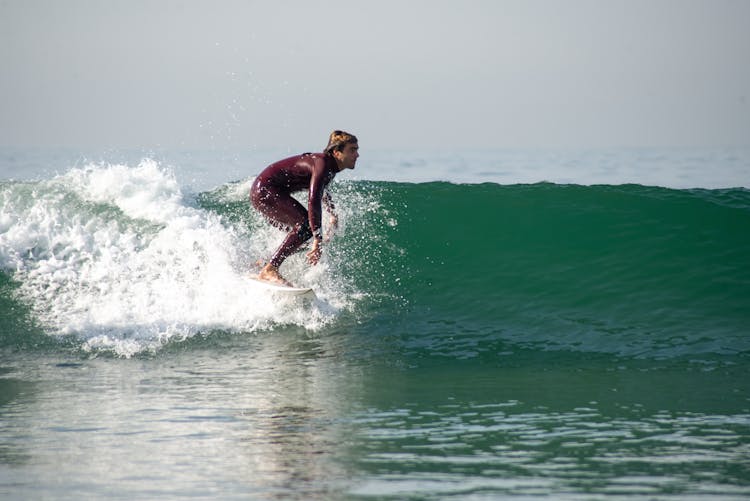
(530, 324)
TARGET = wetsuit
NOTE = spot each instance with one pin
(271, 194)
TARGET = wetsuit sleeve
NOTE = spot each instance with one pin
(317, 187)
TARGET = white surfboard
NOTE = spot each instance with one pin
(283, 290)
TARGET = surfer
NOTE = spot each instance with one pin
(272, 190)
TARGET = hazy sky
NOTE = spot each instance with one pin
(398, 73)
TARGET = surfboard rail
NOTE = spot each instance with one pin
(284, 290)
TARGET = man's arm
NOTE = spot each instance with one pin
(315, 198)
(314, 209)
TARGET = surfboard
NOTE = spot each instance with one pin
(283, 290)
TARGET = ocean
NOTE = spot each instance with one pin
(526, 324)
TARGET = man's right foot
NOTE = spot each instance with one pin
(271, 274)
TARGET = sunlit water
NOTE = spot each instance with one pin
(284, 415)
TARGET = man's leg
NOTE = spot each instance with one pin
(285, 212)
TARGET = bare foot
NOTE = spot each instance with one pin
(270, 273)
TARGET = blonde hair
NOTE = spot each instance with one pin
(338, 140)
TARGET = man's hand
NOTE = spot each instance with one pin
(314, 255)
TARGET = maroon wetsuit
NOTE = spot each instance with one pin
(272, 192)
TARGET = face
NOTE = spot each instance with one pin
(347, 157)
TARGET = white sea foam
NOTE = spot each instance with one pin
(117, 257)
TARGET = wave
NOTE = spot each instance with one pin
(630, 270)
(118, 258)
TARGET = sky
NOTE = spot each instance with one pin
(398, 74)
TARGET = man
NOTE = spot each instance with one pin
(272, 190)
